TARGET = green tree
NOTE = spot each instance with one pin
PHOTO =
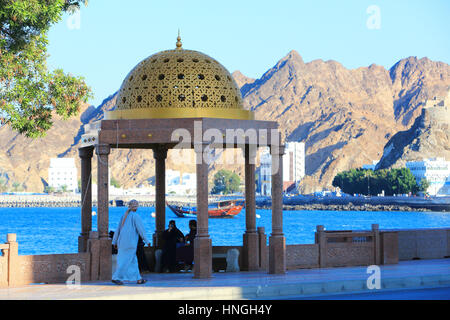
(114, 182)
(352, 181)
(225, 182)
(49, 189)
(360, 181)
(30, 94)
(16, 187)
(424, 185)
(401, 181)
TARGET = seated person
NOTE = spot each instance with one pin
(171, 236)
(186, 253)
(189, 238)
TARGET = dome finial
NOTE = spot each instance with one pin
(179, 44)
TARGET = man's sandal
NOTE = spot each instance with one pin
(141, 281)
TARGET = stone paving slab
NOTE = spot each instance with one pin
(246, 285)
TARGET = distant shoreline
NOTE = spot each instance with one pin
(300, 203)
(350, 207)
(361, 203)
(314, 207)
(307, 207)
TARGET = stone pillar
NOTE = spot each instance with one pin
(250, 257)
(202, 243)
(160, 155)
(105, 270)
(262, 241)
(86, 196)
(322, 242)
(376, 243)
(389, 247)
(277, 241)
(93, 247)
(13, 257)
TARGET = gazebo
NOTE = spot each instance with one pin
(182, 99)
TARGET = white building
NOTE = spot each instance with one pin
(294, 162)
(265, 176)
(437, 173)
(293, 167)
(63, 172)
(181, 183)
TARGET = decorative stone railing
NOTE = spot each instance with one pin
(348, 248)
(344, 248)
(302, 256)
(18, 270)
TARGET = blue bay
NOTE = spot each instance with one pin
(56, 230)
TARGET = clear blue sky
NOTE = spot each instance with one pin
(112, 36)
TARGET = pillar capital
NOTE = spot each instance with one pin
(102, 149)
(277, 149)
(160, 152)
(86, 152)
(250, 152)
(201, 153)
(199, 147)
(11, 237)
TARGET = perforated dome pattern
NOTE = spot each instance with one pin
(179, 79)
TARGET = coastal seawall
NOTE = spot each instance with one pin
(360, 203)
(74, 200)
(50, 201)
(289, 203)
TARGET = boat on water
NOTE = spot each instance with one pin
(218, 209)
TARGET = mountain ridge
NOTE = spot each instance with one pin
(344, 116)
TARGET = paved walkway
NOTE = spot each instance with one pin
(248, 285)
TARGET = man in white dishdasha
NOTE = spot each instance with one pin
(126, 238)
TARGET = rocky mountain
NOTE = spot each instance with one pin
(414, 81)
(241, 80)
(428, 137)
(344, 116)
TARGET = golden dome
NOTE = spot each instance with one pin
(179, 84)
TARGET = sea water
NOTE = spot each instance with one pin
(56, 230)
